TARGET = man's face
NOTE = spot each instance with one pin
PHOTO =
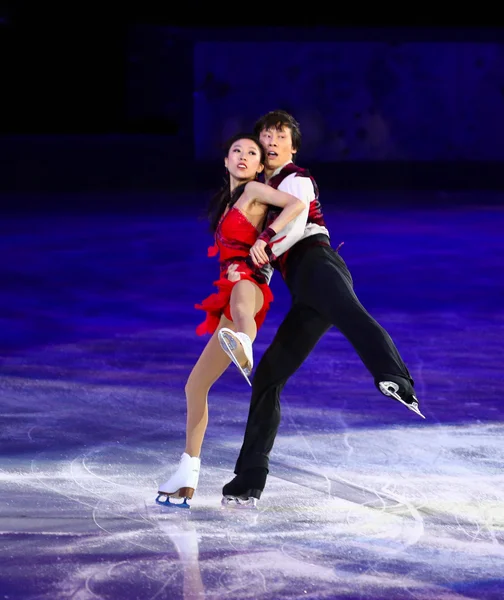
(278, 146)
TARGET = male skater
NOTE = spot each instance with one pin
(322, 296)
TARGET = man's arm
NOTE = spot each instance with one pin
(302, 188)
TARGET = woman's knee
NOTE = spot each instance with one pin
(196, 387)
(240, 308)
(247, 299)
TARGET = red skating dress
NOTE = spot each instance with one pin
(234, 237)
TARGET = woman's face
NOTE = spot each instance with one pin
(244, 160)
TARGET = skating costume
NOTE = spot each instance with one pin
(234, 237)
(322, 296)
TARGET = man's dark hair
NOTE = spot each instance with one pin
(278, 119)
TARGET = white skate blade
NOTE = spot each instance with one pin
(237, 502)
(415, 409)
(413, 406)
(228, 344)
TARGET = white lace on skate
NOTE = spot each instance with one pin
(229, 341)
(391, 388)
(182, 484)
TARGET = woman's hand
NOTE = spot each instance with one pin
(258, 253)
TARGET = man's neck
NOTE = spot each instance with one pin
(269, 173)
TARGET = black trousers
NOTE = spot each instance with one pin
(322, 296)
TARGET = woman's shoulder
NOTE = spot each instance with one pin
(253, 188)
(250, 201)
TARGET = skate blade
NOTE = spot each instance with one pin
(239, 503)
(415, 409)
(413, 406)
(228, 344)
(169, 504)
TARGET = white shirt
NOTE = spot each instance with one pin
(298, 228)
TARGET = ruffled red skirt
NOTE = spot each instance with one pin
(218, 304)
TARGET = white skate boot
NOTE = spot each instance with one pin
(230, 341)
(182, 484)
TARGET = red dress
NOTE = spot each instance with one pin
(234, 237)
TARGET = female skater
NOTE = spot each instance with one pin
(237, 215)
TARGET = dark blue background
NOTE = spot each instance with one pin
(146, 107)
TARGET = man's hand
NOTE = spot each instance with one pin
(258, 253)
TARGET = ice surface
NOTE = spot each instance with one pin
(364, 500)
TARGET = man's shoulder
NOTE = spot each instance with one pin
(296, 178)
(293, 170)
(303, 174)
(299, 176)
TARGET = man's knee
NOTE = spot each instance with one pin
(266, 392)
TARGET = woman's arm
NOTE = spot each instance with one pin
(265, 194)
(292, 208)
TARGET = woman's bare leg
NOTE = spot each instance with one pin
(210, 366)
(246, 300)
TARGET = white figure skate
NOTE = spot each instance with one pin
(230, 341)
(182, 484)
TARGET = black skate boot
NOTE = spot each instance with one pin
(400, 389)
(245, 489)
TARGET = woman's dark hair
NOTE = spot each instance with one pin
(224, 197)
